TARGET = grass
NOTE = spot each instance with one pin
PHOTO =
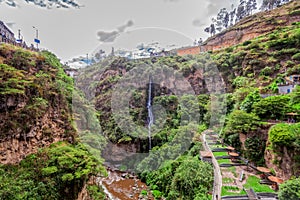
(216, 146)
(220, 153)
(227, 180)
(224, 161)
(233, 170)
(231, 190)
(253, 182)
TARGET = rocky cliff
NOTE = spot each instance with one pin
(254, 26)
(34, 108)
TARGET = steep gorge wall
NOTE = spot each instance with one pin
(284, 163)
(254, 26)
(34, 109)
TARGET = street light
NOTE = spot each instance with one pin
(36, 39)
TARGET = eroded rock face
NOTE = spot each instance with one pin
(282, 162)
(120, 152)
(252, 27)
(42, 133)
(34, 103)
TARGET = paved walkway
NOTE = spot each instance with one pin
(217, 172)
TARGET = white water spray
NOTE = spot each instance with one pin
(150, 114)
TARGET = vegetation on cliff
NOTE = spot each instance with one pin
(56, 172)
(41, 155)
(33, 86)
(251, 72)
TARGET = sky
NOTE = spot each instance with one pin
(101, 24)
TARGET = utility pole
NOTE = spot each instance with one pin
(87, 59)
(36, 39)
(19, 40)
(19, 34)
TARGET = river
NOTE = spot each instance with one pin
(120, 185)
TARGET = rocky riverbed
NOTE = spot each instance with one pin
(120, 185)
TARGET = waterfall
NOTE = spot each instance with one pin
(150, 114)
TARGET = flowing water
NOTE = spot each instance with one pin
(150, 114)
(120, 185)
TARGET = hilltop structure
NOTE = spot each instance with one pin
(290, 84)
(6, 35)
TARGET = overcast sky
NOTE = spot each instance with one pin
(73, 32)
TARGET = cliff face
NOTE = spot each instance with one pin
(34, 97)
(284, 164)
(168, 74)
(254, 26)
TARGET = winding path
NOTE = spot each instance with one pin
(217, 172)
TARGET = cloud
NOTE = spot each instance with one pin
(107, 36)
(110, 36)
(123, 27)
(198, 23)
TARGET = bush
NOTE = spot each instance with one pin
(247, 42)
(53, 173)
(273, 107)
(294, 13)
(296, 56)
(183, 178)
(248, 102)
(241, 122)
(290, 190)
(255, 148)
(283, 134)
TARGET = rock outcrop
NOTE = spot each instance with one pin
(254, 26)
(34, 107)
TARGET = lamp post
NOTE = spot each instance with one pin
(87, 59)
(36, 39)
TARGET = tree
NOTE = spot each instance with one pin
(290, 190)
(248, 102)
(273, 107)
(226, 20)
(222, 20)
(282, 134)
(212, 29)
(295, 95)
(232, 16)
(207, 29)
(192, 177)
(271, 4)
(241, 11)
(255, 148)
(241, 122)
(251, 5)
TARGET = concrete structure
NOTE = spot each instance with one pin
(285, 88)
(288, 87)
(6, 35)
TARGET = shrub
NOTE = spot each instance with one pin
(294, 13)
(267, 71)
(296, 56)
(241, 122)
(282, 134)
(255, 148)
(273, 107)
(247, 42)
(248, 102)
(290, 190)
